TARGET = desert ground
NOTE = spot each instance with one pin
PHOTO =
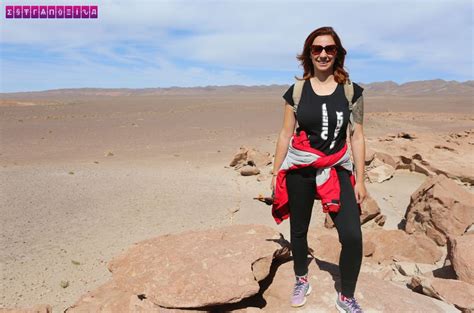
(86, 173)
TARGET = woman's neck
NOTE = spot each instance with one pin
(323, 78)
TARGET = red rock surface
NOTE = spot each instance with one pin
(199, 268)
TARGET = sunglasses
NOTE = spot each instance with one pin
(330, 49)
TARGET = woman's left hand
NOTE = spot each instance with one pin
(360, 192)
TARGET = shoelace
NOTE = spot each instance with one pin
(354, 305)
(298, 288)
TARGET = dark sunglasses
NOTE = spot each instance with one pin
(330, 49)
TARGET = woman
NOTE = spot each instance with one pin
(323, 118)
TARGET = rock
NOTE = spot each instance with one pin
(445, 148)
(239, 158)
(380, 173)
(450, 160)
(470, 230)
(324, 245)
(109, 298)
(248, 170)
(461, 254)
(396, 245)
(412, 269)
(380, 219)
(438, 208)
(368, 248)
(369, 155)
(404, 163)
(199, 268)
(251, 157)
(446, 271)
(370, 210)
(379, 246)
(373, 294)
(456, 292)
(419, 167)
(406, 135)
(386, 158)
(260, 159)
(39, 308)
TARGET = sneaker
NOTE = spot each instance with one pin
(301, 290)
(347, 305)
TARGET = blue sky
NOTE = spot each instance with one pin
(142, 44)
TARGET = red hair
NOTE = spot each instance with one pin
(340, 75)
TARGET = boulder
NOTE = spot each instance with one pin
(370, 209)
(249, 170)
(260, 159)
(324, 245)
(396, 245)
(439, 208)
(380, 173)
(456, 292)
(461, 254)
(369, 155)
(200, 268)
(252, 157)
(386, 159)
(379, 246)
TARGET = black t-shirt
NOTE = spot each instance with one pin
(323, 118)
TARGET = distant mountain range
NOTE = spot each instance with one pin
(421, 88)
(415, 88)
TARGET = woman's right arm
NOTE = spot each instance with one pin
(283, 140)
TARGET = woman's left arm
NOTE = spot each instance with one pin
(357, 139)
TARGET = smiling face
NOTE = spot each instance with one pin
(322, 60)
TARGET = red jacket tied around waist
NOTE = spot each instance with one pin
(301, 154)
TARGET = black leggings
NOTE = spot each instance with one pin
(301, 186)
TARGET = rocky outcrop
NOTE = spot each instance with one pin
(379, 246)
(249, 161)
(396, 245)
(430, 153)
(461, 254)
(439, 208)
(324, 278)
(108, 298)
(199, 268)
(456, 292)
(245, 268)
(380, 173)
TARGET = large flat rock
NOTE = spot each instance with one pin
(199, 268)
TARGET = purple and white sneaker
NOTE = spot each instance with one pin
(347, 305)
(301, 289)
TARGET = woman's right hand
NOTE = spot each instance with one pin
(273, 184)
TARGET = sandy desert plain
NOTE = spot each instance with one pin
(85, 173)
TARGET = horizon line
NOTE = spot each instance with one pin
(210, 86)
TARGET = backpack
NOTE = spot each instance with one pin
(348, 91)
